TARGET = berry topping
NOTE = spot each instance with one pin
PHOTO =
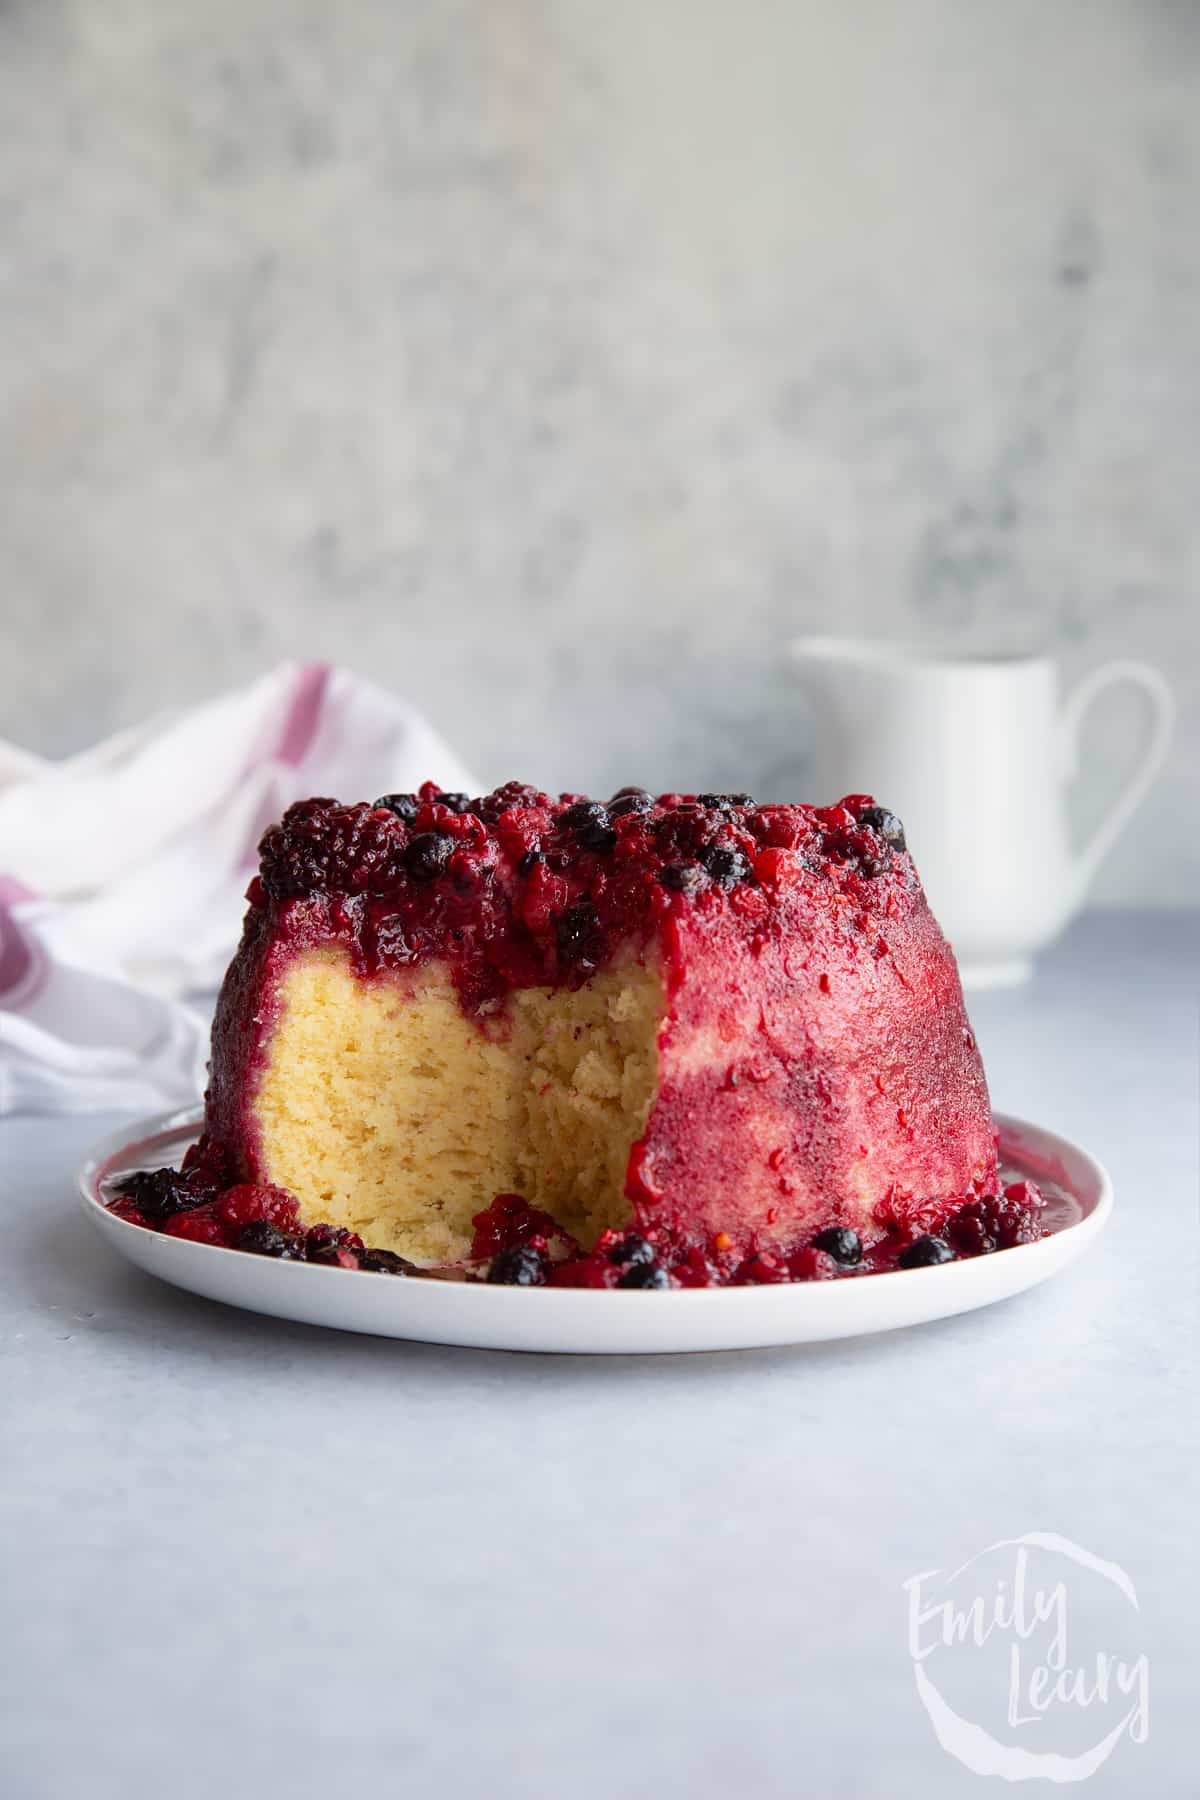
(812, 1264)
(247, 1202)
(725, 864)
(319, 844)
(333, 1244)
(161, 1193)
(386, 1262)
(576, 934)
(997, 1221)
(924, 1252)
(885, 823)
(630, 800)
(844, 1245)
(522, 1266)
(598, 837)
(428, 854)
(405, 806)
(682, 878)
(265, 1239)
(631, 1249)
(645, 1275)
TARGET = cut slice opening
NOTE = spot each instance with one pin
(386, 1109)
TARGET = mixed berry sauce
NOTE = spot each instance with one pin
(518, 1245)
(519, 889)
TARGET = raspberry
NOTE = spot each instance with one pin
(762, 1271)
(201, 1227)
(243, 1204)
(813, 1265)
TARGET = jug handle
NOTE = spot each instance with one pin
(1162, 721)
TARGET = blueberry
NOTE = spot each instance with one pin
(682, 878)
(923, 1252)
(584, 813)
(838, 1241)
(522, 1266)
(645, 1275)
(633, 1249)
(725, 863)
(630, 800)
(265, 1239)
(428, 855)
(386, 1262)
(405, 806)
(598, 837)
(530, 861)
(459, 803)
(576, 933)
(885, 823)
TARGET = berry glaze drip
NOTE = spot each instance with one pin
(517, 889)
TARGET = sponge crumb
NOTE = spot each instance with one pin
(386, 1109)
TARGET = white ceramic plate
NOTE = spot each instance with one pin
(612, 1322)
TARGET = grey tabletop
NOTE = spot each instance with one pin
(252, 1557)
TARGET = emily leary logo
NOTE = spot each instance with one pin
(1027, 1659)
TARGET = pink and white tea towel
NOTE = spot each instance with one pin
(123, 871)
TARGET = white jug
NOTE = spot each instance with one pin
(976, 757)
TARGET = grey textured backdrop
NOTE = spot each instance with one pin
(555, 362)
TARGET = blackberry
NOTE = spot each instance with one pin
(682, 878)
(576, 933)
(404, 806)
(522, 1266)
(629, 800)
(924, 1252)
(886, 824)
(428, 855)
(161, 1193)
(632, 1249)
(386, 1262)
(725, 863)
(265, 1239)
(321, 845)
(459, 803)
(645, 1275)
(838, 1241)
(994, 1222)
